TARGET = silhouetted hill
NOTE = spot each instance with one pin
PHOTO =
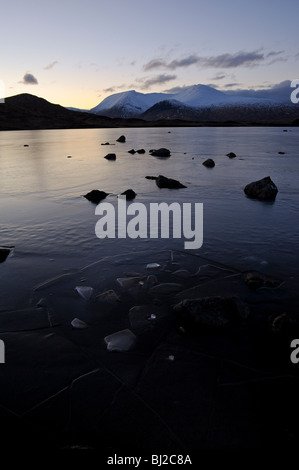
(27, 111)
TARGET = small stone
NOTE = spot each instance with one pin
(209, 163)
(132, 151)
(164, 182)
(231, 155)
(129, 193)
(96, 196)
(140, 151)
(121, 139)
(162, 152)
(110, 156)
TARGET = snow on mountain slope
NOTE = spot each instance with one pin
(131, 102)
(199, 96)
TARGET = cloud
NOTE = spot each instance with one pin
(219, 76)
(146, 83)
(29, 79)
(231, 85)
(51, 65)
(227, 60)
(176, 89)
(109, 90)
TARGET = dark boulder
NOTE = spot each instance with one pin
(231, 155)
(121, 139)
(4, 252)
(209, 163)
(141, 151)
(163, 182)
(255, 280)
(106, 143)
(110, 156)
(129, 193)
(210, 311)
(96, 196)
(263, 189)
(132, 151)
(281, 153)
(162, 152)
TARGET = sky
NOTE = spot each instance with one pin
(77, 52)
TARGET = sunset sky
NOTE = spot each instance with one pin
(76, 52)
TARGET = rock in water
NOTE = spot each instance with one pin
(110, 156)
(79, 324)
(132, 151)
(121, 341)
(129, 193)
(141, 151)
(4, 252)
(121, 139)
(163, 182)
(96, 196)
(256, 280)
(209, 163)
(162, 152)
(151, 177)
(263, 189)
(211, 311)
(231, 155)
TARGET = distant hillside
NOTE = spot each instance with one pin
(27, 111)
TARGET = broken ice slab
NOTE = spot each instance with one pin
(123, 340)
(153, 266)
(166, 288)
(84, 291)
(79, 324)
(129, 282)
(108, 296)
(142, 318)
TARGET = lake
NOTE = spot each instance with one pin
(52, 227)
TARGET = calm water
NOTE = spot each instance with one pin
(44, 215)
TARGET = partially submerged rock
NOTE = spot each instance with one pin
(209, 163)
(140, 151)
(129, 193)
(256, 280)
(121, 139)
(110, 156)
(162, 152)
(263, 189)
(231, 155)
(164, 182)
(96, 196)
(151, 177)
(211, 311)
(132, 151)
(121, 341)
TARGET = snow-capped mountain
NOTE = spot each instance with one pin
(196, 101)
(128, 104)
